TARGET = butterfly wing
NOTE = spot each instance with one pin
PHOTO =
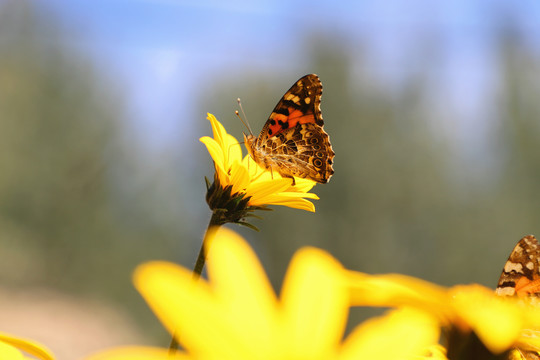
(301, 104)
(520, 275)
(303, 151)
(293, 140)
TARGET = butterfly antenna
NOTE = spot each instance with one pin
(246, 123)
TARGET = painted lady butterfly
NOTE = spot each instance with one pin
(521, 277)
(521, 273)
(293, 141)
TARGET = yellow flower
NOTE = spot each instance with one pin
(137, 353)
(11, 347)
(236, 315)
(405, 333)
(464, 312)
(239, 183)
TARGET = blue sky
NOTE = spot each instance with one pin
(161, 52)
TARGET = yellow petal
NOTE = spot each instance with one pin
(218, 130)
(280, 192)
(138, 353)
(188, 308)
(296, 195)
(315, 305)
(241, 285)
(297, 203)
(303, 185)
(31, 347)
(277, 197)
(9, 352)
(234, 150)
(497, 321)
(255, 171)
(215, 152)
(397, 290)
(239, 178)
(405, 333)
(260, 190)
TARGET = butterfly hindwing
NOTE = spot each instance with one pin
(302, 151)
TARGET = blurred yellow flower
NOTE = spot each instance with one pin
(404, 333)
(138, 353)
(240, 181)
(463, 311)
(236, 315)
(11, 348)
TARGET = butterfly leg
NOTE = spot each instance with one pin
(290, 177)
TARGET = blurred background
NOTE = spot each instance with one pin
(432, 109)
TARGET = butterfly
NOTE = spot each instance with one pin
(521, 273)
(293, 141)
(521, 277)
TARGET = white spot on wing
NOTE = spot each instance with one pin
(505, 291)
(511, 266)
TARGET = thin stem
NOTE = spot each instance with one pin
(215, 220)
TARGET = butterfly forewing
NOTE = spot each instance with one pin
(520, 277)
(521, 268)
(293, 141)
(301, 104)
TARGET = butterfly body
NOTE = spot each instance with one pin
(293, 142)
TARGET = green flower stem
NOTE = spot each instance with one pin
(215, 220)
